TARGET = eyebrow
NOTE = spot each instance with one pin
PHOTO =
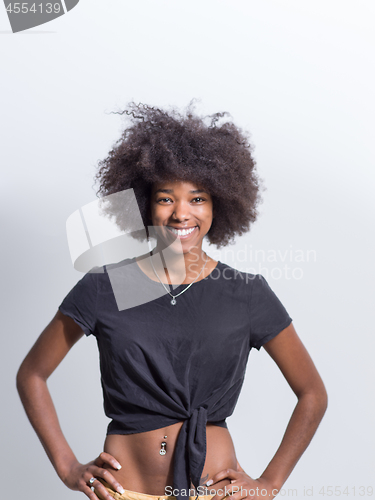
(169, 191)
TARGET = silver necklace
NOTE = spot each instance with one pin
(173, 301)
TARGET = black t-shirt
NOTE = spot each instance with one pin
(162, 363)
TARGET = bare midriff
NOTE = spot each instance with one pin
(145, 470)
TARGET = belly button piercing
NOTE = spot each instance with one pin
(163, 451)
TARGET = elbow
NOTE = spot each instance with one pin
(321, 402)
(324, 400)
(316, 399)
(321, 397)
(25, 378)
(21, 379)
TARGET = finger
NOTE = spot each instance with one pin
(97, 487)
(238, 492)
(239, 495)
(246, 491)
(222, 492)
(223, 474)
(219, 494)
(106, 458)
(91, 494)
(108, 478)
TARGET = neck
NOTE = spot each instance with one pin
(177, 265)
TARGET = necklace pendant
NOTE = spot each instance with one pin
(173, 301)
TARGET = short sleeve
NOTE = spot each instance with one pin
(268, 316)
(80, 303)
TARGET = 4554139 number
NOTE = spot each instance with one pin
(24, 8)
(352, 491)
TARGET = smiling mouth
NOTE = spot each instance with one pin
(182, 233)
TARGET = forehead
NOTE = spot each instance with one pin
(176, 186)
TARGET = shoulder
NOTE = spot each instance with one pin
(102, 275)
(239, 278)
(256, 282)
(231, 282)
(117, 265)
(98, 277)
(252, 286)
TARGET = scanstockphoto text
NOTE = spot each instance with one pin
(203, 490)
(344, 491)
(281, 263)
(95, 237)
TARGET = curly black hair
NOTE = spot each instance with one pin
(162, 145)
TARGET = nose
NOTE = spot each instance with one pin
(181, 211)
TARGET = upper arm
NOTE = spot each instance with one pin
(51, 347)
(295, 363)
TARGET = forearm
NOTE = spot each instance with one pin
(41, 412)
(301, 428)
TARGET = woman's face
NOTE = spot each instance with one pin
(182, 210)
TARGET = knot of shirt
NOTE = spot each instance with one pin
(190, 453)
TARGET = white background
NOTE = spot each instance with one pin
(299, 76)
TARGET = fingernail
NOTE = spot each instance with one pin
(209, 482)
(119, 466)
(121, 490)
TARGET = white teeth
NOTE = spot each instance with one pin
(181, 232)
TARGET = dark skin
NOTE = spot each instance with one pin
(288, 352)
(178, 205)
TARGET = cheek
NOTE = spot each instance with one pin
(158, 215)
(208, 214)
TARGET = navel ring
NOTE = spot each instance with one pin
(163, 451)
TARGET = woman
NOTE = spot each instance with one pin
(173, 364)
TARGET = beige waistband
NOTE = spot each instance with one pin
(134, 495)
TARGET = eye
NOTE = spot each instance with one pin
(163, 200)
(199, 199)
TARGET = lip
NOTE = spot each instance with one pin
(185, 236)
